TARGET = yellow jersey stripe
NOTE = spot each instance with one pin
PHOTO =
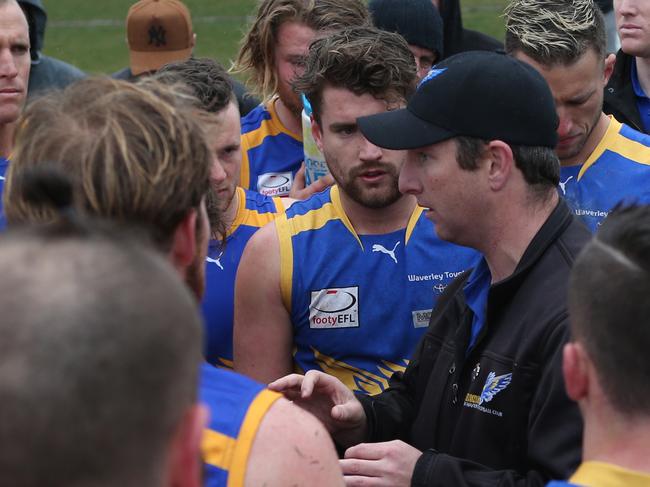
(336, 201)
(608, 475)
(251, 217)
(245, 170)
(247, 432)
(218, 449)
(615, 142)
(286, 259)
(415, 216)
(279, 204)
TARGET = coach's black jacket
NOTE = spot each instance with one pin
(528, 431)
(620, 99)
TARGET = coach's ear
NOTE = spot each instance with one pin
(185, 468)
(575, 368)
(500, 162)
(183, 249)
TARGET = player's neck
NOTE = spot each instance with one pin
(610, 438)
(377, 221)
(6, 139)
(643, 73)
(593, 140)
(291, 121)
(510, 236)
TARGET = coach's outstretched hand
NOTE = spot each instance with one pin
(329, 400)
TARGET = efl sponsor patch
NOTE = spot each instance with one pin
(274, 183)
(421, 318)
(334, 308)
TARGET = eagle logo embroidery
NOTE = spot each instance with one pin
(494, 385)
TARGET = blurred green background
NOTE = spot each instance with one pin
(91, 34)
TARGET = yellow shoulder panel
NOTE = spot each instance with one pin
(615, 142)
(283, 230)
(247, 432)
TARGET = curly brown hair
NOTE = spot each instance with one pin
(256, 54)
(362, 60)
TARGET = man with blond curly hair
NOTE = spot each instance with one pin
(272, 55)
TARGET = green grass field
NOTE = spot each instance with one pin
(91, 35)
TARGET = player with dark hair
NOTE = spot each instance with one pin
(239, 212)
(606, 365)
(482, 400)
(342, 283)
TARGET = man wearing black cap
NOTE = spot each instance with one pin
(417, 21)
(482, 401)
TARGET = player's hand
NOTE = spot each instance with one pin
(299, 190)
(389, 464)
(329, 400)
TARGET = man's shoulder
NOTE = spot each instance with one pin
(623, 143)
(317, 201)
(230, 396)
(260, 203)
(253, 120)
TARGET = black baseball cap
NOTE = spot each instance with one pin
(482, 94)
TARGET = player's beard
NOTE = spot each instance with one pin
(369, 195)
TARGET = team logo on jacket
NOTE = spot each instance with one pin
(494, 384)
(334, 308)
(274, 183)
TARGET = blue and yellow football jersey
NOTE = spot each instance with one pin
(255, 211)
(237, 406)
(618, 171)
(360, 303)
(271, 155)
(4, 165)
(593, 473)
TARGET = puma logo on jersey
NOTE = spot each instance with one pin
(563, 184)
(384, 250)
(215, 261)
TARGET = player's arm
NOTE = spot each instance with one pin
(263, 335)
(292, 448)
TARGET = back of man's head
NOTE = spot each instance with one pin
(610, 309)
(99, 357)
(134, 154)
(206, 78)
(258, 46)
(555, 32)
(362, 60)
